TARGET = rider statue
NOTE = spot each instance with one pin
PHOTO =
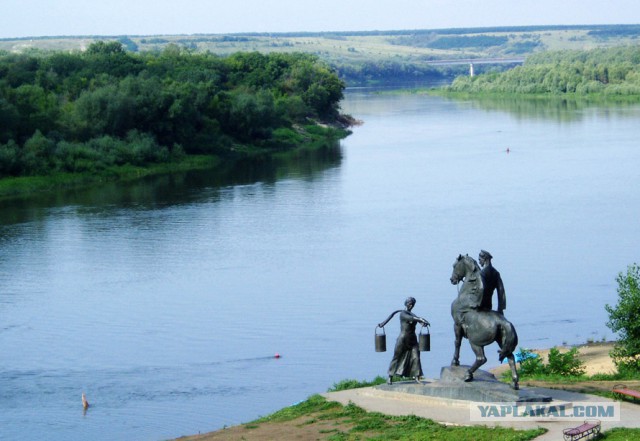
(479, 325)
(492, 282)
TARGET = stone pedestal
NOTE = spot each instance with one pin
(485, 387)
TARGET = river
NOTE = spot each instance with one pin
(166, 300)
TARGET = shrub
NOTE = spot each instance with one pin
(530, 364)
(566, 365)
(623, 319)
(76, 157)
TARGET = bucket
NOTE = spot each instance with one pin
(424, 343)
(381, 340)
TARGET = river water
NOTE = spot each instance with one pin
(166, 300)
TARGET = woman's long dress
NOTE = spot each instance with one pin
(406, 355)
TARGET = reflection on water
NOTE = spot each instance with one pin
(559, 109)
(178, 188)
(165, 299)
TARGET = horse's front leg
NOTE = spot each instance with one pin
(480, 360)
(514, 372)
(457, 329)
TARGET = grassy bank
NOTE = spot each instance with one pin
(312, 137)
(21, 187)
(317, 418)
(591, 98)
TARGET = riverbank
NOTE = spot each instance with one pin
(28, 186)
(595, 357)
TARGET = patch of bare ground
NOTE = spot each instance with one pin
(306, 428)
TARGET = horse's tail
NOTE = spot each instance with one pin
(508, 339)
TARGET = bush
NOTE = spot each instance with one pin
(559, 364)
(623, 320)
(566, 365)
(530, 364)
(286, 137)
(76, 157)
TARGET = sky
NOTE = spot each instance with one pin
(35, 18)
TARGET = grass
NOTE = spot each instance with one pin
(354, 384)
(621, 434)
(354, 423)
(351, 422)
(574, 378)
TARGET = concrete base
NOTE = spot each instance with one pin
(485, 387)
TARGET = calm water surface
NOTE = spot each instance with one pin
(165, 300)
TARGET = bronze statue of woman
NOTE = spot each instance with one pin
(406, 355)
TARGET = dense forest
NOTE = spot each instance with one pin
(610, 72)
(104, 107)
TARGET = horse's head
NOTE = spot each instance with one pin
(462, 267)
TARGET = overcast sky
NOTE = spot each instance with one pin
(23, 18)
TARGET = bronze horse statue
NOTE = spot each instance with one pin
(480, 327)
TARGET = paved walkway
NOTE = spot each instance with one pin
(457, 412)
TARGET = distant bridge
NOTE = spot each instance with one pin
(512, 60)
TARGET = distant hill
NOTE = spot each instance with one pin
(370, 56)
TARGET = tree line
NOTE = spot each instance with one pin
(392, 72)
(103, 107)
(610, 72)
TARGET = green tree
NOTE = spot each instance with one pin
(10, 159)
(110, 58)
(105, 48)
(251, 116)
(106, 110)
(623, 319)
(38, 153)
(9, 118)
(38, 110)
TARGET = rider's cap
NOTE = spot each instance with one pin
(485, 254)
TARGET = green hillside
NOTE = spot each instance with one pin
(365, 57)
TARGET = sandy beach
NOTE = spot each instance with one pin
(595, 357)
